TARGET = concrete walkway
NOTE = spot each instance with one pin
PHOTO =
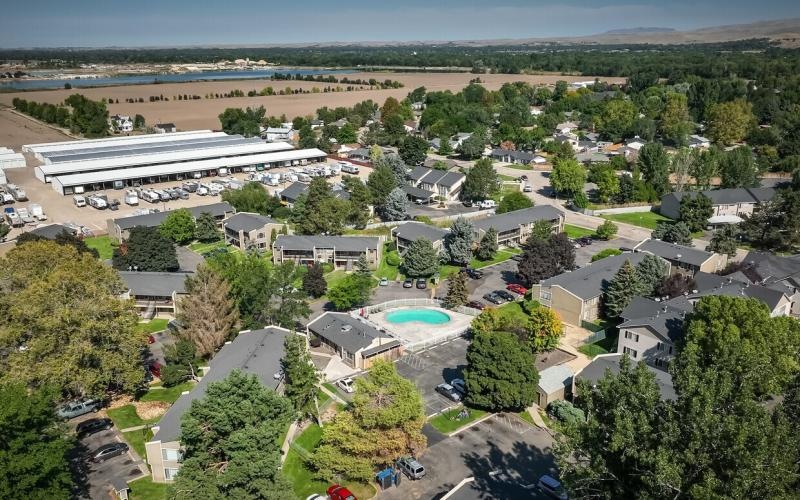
(333, 395)
(533, 411)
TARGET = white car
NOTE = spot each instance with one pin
(347, 385)
(488, 204)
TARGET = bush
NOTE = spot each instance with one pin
(580, 200)
(282, 213)
(566, 412)
(424, 219)
(608, 252)
(606, 230)
(393, 258)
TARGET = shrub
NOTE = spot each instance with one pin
(580, 200)
(393, 258)
(606, 230)
(566, 412)
(608, 252)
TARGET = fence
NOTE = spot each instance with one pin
(620, 210)
(469, 311)
(598, 334)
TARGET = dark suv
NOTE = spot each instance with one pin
(474, 273)
(422, 283)
(89, 427)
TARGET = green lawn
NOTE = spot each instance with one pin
(513, 310)
(322, 398)
(646, 220)
(577, 231)
(518, 166)
(137, 439)
(446, 422)
(146, 489)
(205, 247)
(524, 415)
(126, 416)
(385, 270)
(335, 277)
(330, 387)
(605, 346)
(152, 326)
(500, 256)
(504, 177)
(504, 190)
(103, 245)
(167, 394)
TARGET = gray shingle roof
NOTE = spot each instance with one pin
(50, 231)
(512, 220)
(413, 230)
(450, 179)
(555, 378)
(345, 331)
(590, 281)
(257, 352)
(154, 284)
(597, 369)
(246, 221)
(417, 192)
(712, 284)
(155, 219)
(294, 190)
(418, 173)
(341, 243)
(730, 196)
(671, 251)
(519, 155)
(666, 322)
(770, 268)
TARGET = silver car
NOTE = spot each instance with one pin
(411, 468)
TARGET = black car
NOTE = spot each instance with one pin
(467, 203)
(523, 177)
(476, 305)
(422, 284)
(408, 283)
(89, 427)
(493, 298)
(474, 273)
(505, 295)
(449, 392)
(109, 451)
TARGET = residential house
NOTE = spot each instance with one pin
(537, 110)
(566, 127)
(118, 229)
(294, 190)
(632, 147)
(688, 260)
(155, 293)
(341, 251)
(577, 295)
(360, 154)
(432, 162)
(256, 352)
(354, 340)
(410, 126)
(278, 134)
(247, 230)
(122, 123)
(570, 139)
(773, 271)
(729, 205)
(407, 233)
(315, 124)
(417, 106)
(610, 363)
(165, 128)
(517, 157)
(442, 183)
(514, 228)
(50, 231)
(341, 122)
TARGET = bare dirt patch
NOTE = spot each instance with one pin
(16, 130)
(148, 410)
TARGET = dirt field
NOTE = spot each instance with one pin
(203, 113)
(16, 130)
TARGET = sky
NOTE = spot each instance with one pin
(136, 23)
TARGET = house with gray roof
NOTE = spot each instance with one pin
(407, 233)
(518, 157)
(687, 260)
(247, 231)
(555, 383)
(256, 352)
(155, 293)
(513, 228)
(729, 205)
(777, 272)
(50, 231)
(342, 252)
(358, 343)
(119, 229)
(577, 295)
(440, 182)
(610, 363)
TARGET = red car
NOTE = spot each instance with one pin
(336, 492)
(155, 369)
(151, 339)
(516, 288)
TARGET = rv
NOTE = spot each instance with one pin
(25, 216)
(98, 202)
(303, 177)
(36, 211)
(17, 192)
(79, 201)
(12, 217)
(131, 198)
(349, 168)
(151, 196)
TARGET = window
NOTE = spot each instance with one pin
(169, 474)
(170, 454)
(632, 336)
(630, 352)
(660, 363)
(545, 295)
(660, 346)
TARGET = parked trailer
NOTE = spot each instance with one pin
(36, 211)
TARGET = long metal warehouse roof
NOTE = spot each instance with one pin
(128, 139)
(185, 167)
(206, 143)
(44, 172)
(56, 156)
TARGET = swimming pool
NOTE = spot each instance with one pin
(421, 315)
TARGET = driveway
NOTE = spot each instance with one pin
(494, 278)
(454, 208)
(584, 255)
(503, 454)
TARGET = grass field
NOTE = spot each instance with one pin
(500, 256)
(577, 231)
(513, 310)
(205, 247)
(518, 166)
(137, 439)
(103, 244)
(152, 326)
(335, 277)
(126, 416)
(524, 415)
(167, 394)
(604, 346)
(446, 422)
(146, 489)
(646, 220)
(322, 398)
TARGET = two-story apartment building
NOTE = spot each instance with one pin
(729, 205)
(358, 343)
(442, 183)
(247, 230)
(687, 260)
(407, 233)
(155, 293)
(341, 251)
(513, 228)
(119, 229)
(257, 352)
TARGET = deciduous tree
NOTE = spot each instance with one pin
(381, 182)
(253, 197)
(146, 249)
(725, 240)
(481, 181)
(353, 291)
(606, 230)
(654, 165)
(673, 232)
(729, 122)
(206, 228)
(675, 120)
(314, 282)
(413, 150)
(513, 201)
(543, 329)
(568, 177)
(178, 226)
(737, 169)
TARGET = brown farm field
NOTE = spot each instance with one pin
(16, 130)
(203, 113)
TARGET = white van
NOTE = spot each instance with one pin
(131, 198)
(303, 178)
(349, 168)
(79, 200)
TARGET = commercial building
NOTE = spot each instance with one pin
(340, 251)
(729, 205)
(247, 230)
(118, 229)
(155, 293)
(356, 342)
(256, 352)
(513, 228)
(10, 159)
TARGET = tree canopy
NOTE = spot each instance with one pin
(421, 259)
(146, 249)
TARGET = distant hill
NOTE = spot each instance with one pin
(638, 31)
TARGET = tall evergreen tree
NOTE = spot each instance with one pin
(314, 282)
(651, 272)
(457, 293)
(623, 287)
(300, 376)
(207, 313)
(396, 206)
(487, 248)
(695, 211)
(458, 242)
(207, 231)
(146, 249)
(725, 240)
(421, 259)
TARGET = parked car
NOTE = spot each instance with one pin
(476, 305)
(517, 288)
(459, 385)
(551, 487)
(337, 492)
(467, 203)
(449, 392)
(474, 273)
(89, 427)
(523, 177)
(408, 283)
(155, 369)
(109, 451)
(78, 408)
(113, 204)
(493, 298)
(79, 201)
(505, 295)
(422, 283)
(527, 189)
(517, 257)
(485, 204)
(411, 467)
(384, 282)
(347, 385)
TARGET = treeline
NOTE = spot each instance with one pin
(81, 115)
(386, 84)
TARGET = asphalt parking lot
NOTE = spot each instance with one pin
(503, 454)
(494, 278)
(433, 366)
(584, 255)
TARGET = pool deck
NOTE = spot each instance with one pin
(414, 332)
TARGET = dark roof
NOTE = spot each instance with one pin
(432, 176)
(673, 252)
(418, 173)
(769, 268)
(713, 284)
(604, 363)
(413, 230)
(341, 243)
(154, 284)
(257, 352)
(519, 155)
(417, 192)
(380, 348)
(589, 282)
(246, 221)
(50, 231)
(345, 331)
(730, 196)
(154, 219)
(294, 190)
(165, 125)
(512, 220)
(451, 179)
(666, 321)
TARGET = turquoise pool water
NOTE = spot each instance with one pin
(429, 316)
